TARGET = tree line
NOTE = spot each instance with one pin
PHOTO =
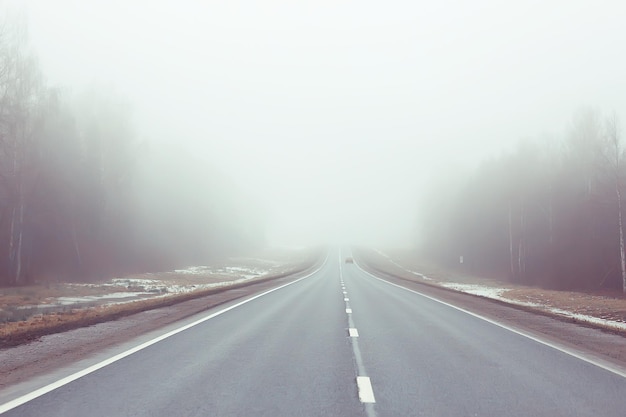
(545, 214)
(81, 198)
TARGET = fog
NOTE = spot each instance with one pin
(331, 118)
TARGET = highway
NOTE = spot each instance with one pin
(337, 343)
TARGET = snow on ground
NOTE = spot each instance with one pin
(165, 284)
(496, 294)
(246, 272)
(590, 319)
(499, 293)
(116, 296)
(194, 270)
(482, 290)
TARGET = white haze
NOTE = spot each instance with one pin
(333, 115)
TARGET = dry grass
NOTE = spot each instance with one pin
(25, 328)
(59, 321)
(607, 305)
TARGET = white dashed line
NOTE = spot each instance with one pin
(366, 393)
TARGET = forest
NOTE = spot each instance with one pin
(81, 197)
(548, 213)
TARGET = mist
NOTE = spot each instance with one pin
(328, 121)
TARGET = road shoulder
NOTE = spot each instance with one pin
(602, 344)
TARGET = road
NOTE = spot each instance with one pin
(337, 343)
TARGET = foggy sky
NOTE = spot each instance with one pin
(334, 114)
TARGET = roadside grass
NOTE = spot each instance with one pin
(604, 305)
(19, 303)
(27, 313)
(41, 324)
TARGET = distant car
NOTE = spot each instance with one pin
(349, 260)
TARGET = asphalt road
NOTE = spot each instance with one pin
(339, 343)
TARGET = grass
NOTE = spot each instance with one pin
(24, 315)
(607, 305)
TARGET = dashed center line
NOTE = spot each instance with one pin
(364, 385)
(366, 393)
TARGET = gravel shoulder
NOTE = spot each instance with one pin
(602, 343)
(27, 313)
(43, 354)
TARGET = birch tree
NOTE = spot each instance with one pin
(615, 157)
(20, 118)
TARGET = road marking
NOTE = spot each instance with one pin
(73, 377)
(353, 332)
(366, 393)
(600, 364)
(346, 299)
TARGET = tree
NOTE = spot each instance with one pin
(615, 156)
(538, 217)
(20, 120)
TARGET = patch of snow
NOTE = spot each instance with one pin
(590, 319)
(194, 270)
(496, 293)
(246, 272)
(229, 270)
(91, 298)
(128, 282)
(482, 290)
(148, 285)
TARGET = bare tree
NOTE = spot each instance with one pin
(615, 157)
(20, 117)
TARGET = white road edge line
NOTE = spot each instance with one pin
(606, 367)
(366, 393)
(73, 377)
(353, 332)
